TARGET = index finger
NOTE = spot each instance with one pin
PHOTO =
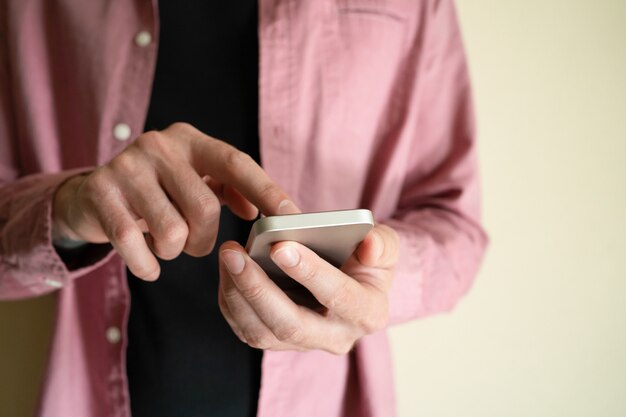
(230, 166)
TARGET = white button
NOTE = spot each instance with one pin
(53, 283)
(121, 131)
(143, 38)
(113, 334)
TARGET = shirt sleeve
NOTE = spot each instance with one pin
(29, 263)
(438, 216)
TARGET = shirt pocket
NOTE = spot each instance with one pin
(363, 66)
(353, 103)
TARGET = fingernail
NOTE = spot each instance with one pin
(287, 207)
(287, 257)
(234, 261)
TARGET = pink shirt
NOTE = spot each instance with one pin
(363, 103)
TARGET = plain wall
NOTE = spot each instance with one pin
(25, 329)
(543, 331)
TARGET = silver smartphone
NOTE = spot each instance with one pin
(333, 235)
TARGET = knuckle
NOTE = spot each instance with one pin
(374, 323)
(270, 191)
(126, 164)
(291, 334)
(95, 185)
(170, 240)
(253, 293)
(258, 339)
(124, 234)
(175, 232)
(207, 207)
(341, 297)
(307, 273)
(376, 319)
(181, 126)
(154, 144)
(236, 159)
(342, 348)
(229, 296)
(182, 131)
(148, 139)
(224, 295)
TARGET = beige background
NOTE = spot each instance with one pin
(543, 332)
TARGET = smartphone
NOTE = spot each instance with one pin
(333, 235)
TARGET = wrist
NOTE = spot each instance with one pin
(62, 204)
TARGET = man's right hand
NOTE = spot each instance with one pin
(171, 185)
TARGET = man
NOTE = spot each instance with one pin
(361, 104)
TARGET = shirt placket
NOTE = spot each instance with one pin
(276, 91)
(276, 103)
(126, 123)
(129, 112)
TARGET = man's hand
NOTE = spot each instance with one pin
(171, 185)
(354, 297)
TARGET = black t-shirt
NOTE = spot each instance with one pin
(183, 359)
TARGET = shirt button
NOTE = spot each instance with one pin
(121, 131)
(143, 38)
(53, 283)
(113, 334)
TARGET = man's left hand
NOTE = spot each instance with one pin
(355, 296)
